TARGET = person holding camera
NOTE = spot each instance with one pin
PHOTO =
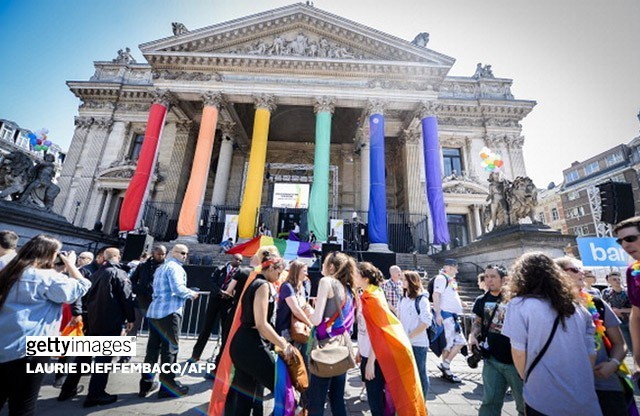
(487, 343)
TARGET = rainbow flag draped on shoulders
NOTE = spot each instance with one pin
(393, 353)
(284, 401)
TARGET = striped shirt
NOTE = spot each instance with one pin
(169, 290)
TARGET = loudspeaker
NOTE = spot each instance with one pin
(616, 202)
(328, 248)
(135, 245)
(382, 261)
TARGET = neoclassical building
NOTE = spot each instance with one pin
(218, 117)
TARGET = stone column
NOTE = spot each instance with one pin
(221, 183)
(318, 215)
(515, 154)
(364, 169)
(105, 207)
(194, 196)
(138, 190)
(252, 196)
(413, 191)
(65, 202)
(377, 224)
(476, 219)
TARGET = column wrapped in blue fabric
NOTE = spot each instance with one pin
(433, 174)
(377, 185)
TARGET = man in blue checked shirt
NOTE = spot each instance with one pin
(165, 320)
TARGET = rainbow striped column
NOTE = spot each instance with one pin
(194, 196)
(138, 189)
(255, 174)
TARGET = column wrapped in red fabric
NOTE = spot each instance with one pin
(131, 209)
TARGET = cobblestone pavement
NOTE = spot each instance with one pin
(444, 398)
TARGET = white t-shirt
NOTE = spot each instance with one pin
(4, 260)
(410, 320)
(449, 299)
(364, 343)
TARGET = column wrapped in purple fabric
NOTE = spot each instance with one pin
(433, 174)
(377, 185)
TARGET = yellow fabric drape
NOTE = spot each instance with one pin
(192, 202)
(255, 176)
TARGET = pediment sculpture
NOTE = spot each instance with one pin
(26, 183)
(178, 28)
(509, 202)
(298, 45)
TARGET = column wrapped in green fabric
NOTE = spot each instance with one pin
(318, 215)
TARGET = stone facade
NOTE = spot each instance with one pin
(296, 55)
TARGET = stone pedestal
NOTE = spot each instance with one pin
(504, 246)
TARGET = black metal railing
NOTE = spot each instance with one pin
(407, 232)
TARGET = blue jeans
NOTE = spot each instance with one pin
(420, 354)
(496, 376)
(375, 389)
(624, 327)
(317, 393)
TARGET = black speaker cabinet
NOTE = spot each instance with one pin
(135, 245)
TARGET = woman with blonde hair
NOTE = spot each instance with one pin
(333, 316)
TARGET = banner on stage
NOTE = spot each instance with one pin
(230, 227)
(291, 195)
(602, 252)
(337, 232)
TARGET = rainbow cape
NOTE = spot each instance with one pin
(393, 353)
(291, 249)
(283, 394)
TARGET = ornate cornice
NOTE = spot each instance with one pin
(102, 122)
(171, 75)
(213, 99)
(83, 122)
(163, 97)
(410, 137)
(428, 109)
(326, 104)
(266, 101)
(125, 106)
(97, 105)
(375, 106)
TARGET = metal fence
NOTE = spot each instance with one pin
(194, 314)
(407, 232)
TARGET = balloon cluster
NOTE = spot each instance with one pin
(39, 141)
(491, 162)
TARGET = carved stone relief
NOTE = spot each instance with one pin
(299, 44)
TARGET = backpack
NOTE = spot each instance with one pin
(435, 333)
(430, 286)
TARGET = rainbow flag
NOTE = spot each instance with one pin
(393, 353)
(291, 249)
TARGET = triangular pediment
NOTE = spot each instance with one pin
(297, 31)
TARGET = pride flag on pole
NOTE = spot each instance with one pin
(291, 249)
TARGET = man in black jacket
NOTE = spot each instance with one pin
(109, 307)
(142, 284)
(219, 303)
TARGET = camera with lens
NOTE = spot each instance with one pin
(477, 354)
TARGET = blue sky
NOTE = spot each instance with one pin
(579, 59)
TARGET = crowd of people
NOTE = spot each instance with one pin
(540, 329)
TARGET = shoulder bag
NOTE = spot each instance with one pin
(332, 356)
(543, 350)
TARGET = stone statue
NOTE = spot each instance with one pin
(124, 57)
(498, 209)
(178, 28)
(41, 191)
(522, 198)
(14, 175)
(483, 72)
(509, 202)
(422, 39)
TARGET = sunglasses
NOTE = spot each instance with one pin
(572, 270)
(184, 253)
(628, 239)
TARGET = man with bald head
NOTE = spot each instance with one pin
(170, 292)
(219, 303)
(84, 258)
(392, 288)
